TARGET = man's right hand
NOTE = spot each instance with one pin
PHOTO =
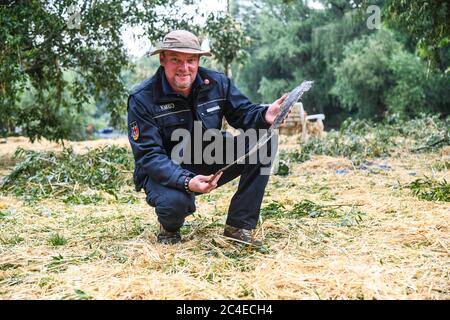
(274, 109)
(200, 183)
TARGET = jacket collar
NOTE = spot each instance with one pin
(164, 93)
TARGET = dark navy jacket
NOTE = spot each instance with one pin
(155, 111)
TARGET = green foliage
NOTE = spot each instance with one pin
(292, 42)
(57, 240)
(363, 76)
(88, 198)
(408, 96)
(143, 68)
(360, 140)
(417, 88)
(68, 121)
(310, 209)
(441, 165)
(424, 132)
(273, 209)
(81, 295)
(41, 40)
(352, 145)
(352, 218)
(227, 39)
(74, 176)
(271, 89)
(357, 71)
(430, 189)
(426, 22)
(282, 168)
(328, 42)
(378, 75)
(273, 24)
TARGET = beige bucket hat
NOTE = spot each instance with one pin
(180, 41)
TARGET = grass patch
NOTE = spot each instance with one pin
(81, 295)
(440, 165)
(57, 240)
(273, 209)
(430, 189)
(12, 240)
(7, 266)
(6, 214)
(310, 209)
(60, 263)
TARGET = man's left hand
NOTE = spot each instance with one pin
(204, 184)
(274, 109)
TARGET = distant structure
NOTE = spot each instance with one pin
(299, 122)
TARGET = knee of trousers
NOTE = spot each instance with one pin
(174, 205)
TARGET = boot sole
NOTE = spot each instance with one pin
(242, 242)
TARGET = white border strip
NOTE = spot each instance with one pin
(166, 114)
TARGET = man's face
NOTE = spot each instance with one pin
(180, 69)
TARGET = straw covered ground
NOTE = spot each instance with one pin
(379, 241)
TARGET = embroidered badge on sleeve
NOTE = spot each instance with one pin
(134, 130)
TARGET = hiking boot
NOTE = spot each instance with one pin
(167, 237)
(241, 235)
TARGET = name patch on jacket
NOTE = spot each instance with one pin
(167, 106)
(134, 130)
(212, 109)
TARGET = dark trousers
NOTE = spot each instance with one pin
(173, 205)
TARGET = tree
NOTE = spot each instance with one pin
(40, 40)
(280, 46)
(377, 75)
(363, 77)
(292, 42)
(426, 22)
(227, 39)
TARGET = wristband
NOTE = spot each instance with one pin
(186, 184)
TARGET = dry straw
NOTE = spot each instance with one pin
(399, 250)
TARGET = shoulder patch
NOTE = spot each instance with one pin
(134, 130)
